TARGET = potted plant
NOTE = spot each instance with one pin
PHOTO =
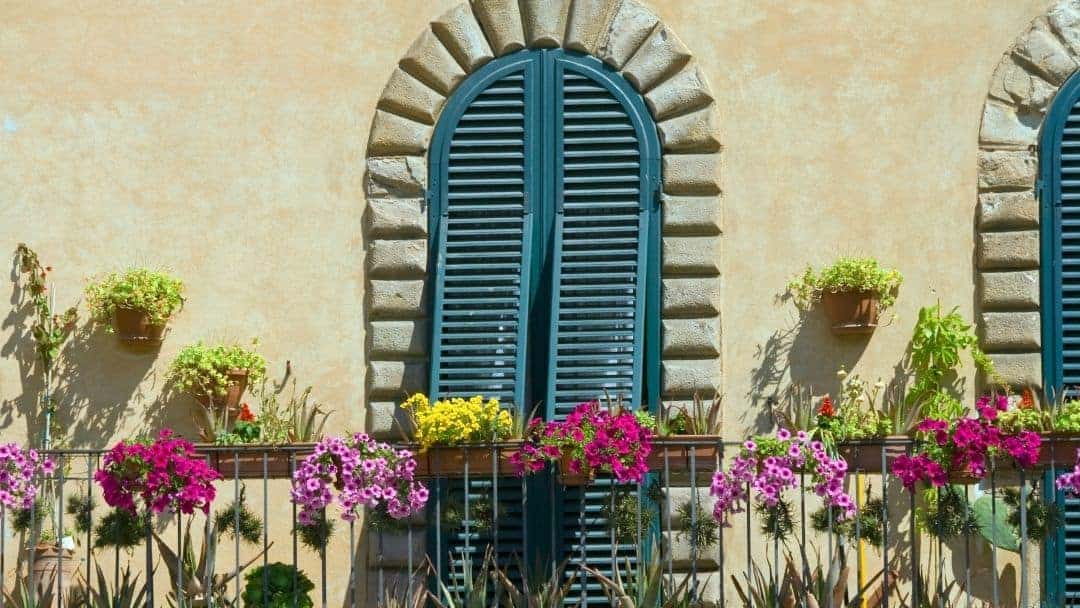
(456, 435)
(865, 435)
(770, 466)
(378, 477)
(217, 375)
(591, 440)
(295, 421)
(689, 437)
(135, 304)
(277, 585)
(854, 292)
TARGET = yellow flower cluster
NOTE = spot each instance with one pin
(456, 420)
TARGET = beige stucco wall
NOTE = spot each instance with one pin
(227, 142)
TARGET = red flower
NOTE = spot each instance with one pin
(1027, 399)
(245, 414)
(826, 408)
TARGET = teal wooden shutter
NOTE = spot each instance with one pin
(483, 173)
(605, 171)
(1059, 194)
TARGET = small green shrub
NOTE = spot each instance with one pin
(697, 525)
(203, 369)
(156, 293)
(846, 275)
(251, 525)
(622, 517)
(278, 580)
(870, 518)
(1067, 418)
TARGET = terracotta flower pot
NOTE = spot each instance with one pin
(132, 325)
(451, 461)
(247, 462)
(237, 384)
(865, 456)
(851, 312)
(683, 453)
(48, 561)
(568, 476)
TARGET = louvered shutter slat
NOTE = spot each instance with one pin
(1068, 245)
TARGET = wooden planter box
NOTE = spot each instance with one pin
(677, 453)
(568, 477)
(247, 461)
(1059, 450)
(451, 461)
(865, 456)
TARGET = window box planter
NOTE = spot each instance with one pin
(238, 381)
(134, 327)
(1059, 450)
(451, 461)
(568, 477)
(685, 453)
(246, 461)
(851, 313)
(865, 456)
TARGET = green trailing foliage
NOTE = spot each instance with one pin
(847, 275)
(868, 524)
(119, 529)
(947, 513)
(250, 525)
(314, 536)
(622, 517)
(203, 370)
(277, 585)
(81, 508)
(696, 525)
(154, 292)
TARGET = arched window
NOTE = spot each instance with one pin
(544, 192)
(1059, 196)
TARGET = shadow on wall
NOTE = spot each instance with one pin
(806, 354)
(99, 384)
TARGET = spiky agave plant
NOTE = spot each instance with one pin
(552, 592)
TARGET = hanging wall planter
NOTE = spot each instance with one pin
(217, 376)
(135, 304)
(851, 312)
(853, 292)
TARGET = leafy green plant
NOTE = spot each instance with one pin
(119, 529)
(1067, 417)
(697, 418)
(796, 411)
(50, 329)
(317, 534)
(778, 522)
(641, 585)
(299, 419)
(277, 585)
(696, 525)
(868, 524)
(550, 592)
(472, 589)
(936, 347)
(1043, 518)
(203, 370)
(153, 292)
(481, 514)
(855, 415)
(202, 582)
(623, 516)
(250, 525)
(410, 592)
(81, 508)
(847, 275)
(128, 592)
(947, 513)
